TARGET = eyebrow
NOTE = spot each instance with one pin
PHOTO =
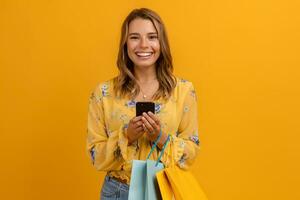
(150, 33)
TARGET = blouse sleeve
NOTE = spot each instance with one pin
(185, 144)
(107, 150)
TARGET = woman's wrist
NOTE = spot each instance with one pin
(162, 141)
(157, 137)
(130, 141)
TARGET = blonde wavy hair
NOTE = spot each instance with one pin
(125, 84)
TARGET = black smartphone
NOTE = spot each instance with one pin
(144, 107)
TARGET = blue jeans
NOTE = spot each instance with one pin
(114, 190)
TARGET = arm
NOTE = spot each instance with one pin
(107, 150)
(185, 144)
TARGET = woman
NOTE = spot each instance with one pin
(115, 135)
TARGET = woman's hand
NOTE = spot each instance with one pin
(135, 129)
(151, 125)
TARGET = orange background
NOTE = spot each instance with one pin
(241, 55)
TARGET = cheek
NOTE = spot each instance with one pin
(156, 46)
(129, 46)
(130, 49)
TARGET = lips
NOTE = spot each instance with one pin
(144, 54)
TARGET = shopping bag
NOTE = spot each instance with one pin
(152, 189)
(144, 174)
(176, 182)
(138, 180)
(183, 184)
(164, 186)
(143, 183)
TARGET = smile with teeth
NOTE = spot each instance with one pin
(144, 54)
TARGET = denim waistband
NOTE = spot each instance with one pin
(120, 185)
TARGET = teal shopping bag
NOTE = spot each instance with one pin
(152, 189)
(138, 174)
(143, 183)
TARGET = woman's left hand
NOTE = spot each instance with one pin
(151, 125)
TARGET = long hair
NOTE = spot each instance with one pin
(125, 84)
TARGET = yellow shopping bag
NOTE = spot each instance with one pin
(164, 185)
(179, 184)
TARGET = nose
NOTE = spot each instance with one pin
(143, 42)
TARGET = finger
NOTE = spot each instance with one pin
(150, 120)
(135, 119)
(156, 126)
(146, 129)
(140, 129)
(147, 125)
(153, 116)
(138, 124)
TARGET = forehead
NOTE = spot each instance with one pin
(142, 26)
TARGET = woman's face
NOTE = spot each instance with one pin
(142, 43)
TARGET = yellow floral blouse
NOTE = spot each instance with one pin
(108, 118)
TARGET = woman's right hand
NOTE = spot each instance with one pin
(135, 129)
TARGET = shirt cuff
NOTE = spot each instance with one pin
(176, 146)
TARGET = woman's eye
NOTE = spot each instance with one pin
(153, 37)
(133, 37)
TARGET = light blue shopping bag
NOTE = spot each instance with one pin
(138, 174)
(143, 183)
(152, 189)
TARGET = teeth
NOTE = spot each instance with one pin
(144, 54)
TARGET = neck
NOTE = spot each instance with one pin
(145, 75)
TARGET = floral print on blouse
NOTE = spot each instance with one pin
(108, 118)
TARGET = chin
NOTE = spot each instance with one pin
(140, 64)
(145, 63)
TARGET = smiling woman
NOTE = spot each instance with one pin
(115, 135)
(143, 45)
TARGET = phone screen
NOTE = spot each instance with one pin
(144, 107)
